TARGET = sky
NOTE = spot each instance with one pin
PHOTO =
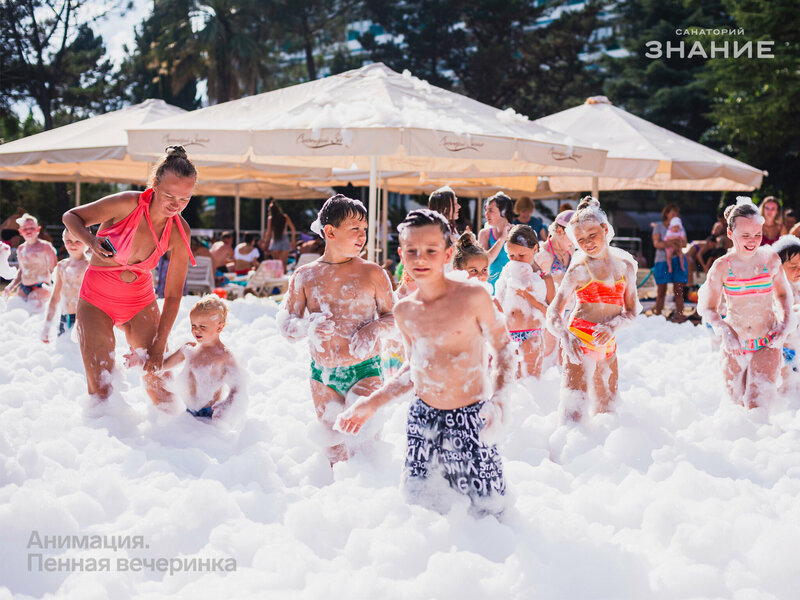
(116, 28)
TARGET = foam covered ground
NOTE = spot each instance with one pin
(680, 494)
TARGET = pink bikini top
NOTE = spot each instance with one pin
(122, 233)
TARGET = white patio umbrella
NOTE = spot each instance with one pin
(96, 149)
(372, 119)
(644, 156)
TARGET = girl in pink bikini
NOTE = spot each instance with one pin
(752, 281)
(602, 281)
(136, 229)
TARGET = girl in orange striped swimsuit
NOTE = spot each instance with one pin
(752, 280)
(136, 229)
(603, 282)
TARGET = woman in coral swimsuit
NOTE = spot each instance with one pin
(603, 282)
(136, 228)
(753, 283)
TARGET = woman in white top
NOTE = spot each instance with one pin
(246, 255)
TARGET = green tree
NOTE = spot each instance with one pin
(51, 57)
(502, 52)
(666, 91)
(310, 27)
(152, 67)
(754, 108)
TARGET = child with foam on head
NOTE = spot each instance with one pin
(676, 234)
(524, 291)
(446, 326)
(210, 383)
(602, 280)
(343, 305)
(37, 259)
(67, 287)
(753, 283)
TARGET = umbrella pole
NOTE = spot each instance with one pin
(479, 216)
(78, 191)
(263, 215)
(385, 222)
(373, 207)
(596, 188)
(236, 209)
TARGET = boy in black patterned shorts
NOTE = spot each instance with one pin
(445, 325)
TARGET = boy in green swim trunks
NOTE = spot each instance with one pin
(342, 304)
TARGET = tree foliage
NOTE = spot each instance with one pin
(754, 100)
(52, 57)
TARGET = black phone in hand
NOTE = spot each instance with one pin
(107, 245)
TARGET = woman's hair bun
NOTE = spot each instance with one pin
(178, 151)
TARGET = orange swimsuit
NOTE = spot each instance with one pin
(102, 286)
(597, 292)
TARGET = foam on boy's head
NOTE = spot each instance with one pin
(425, 216)
(27, 217)
(335, 210)
(787, 247)
(209, 304)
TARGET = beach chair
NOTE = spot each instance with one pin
(200, 278)
(266, 277)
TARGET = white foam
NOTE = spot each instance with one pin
(678, 495)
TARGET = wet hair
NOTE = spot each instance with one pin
(278, 220)
(338, 208)
(175, 161)
(666, 210)
(787, 247)
(504, 204)
(589, 210)
(251, 238)
(466, 248)
(226, 234)
(211, 303)
(744, 207)
(524, 204)
(523, 235)
(425, 216)
(442, 201)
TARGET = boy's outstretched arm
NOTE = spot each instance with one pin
(494, 329)
(177, 357)
(290, 319)
(363, 342)
(353, 419)
(55, 298)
